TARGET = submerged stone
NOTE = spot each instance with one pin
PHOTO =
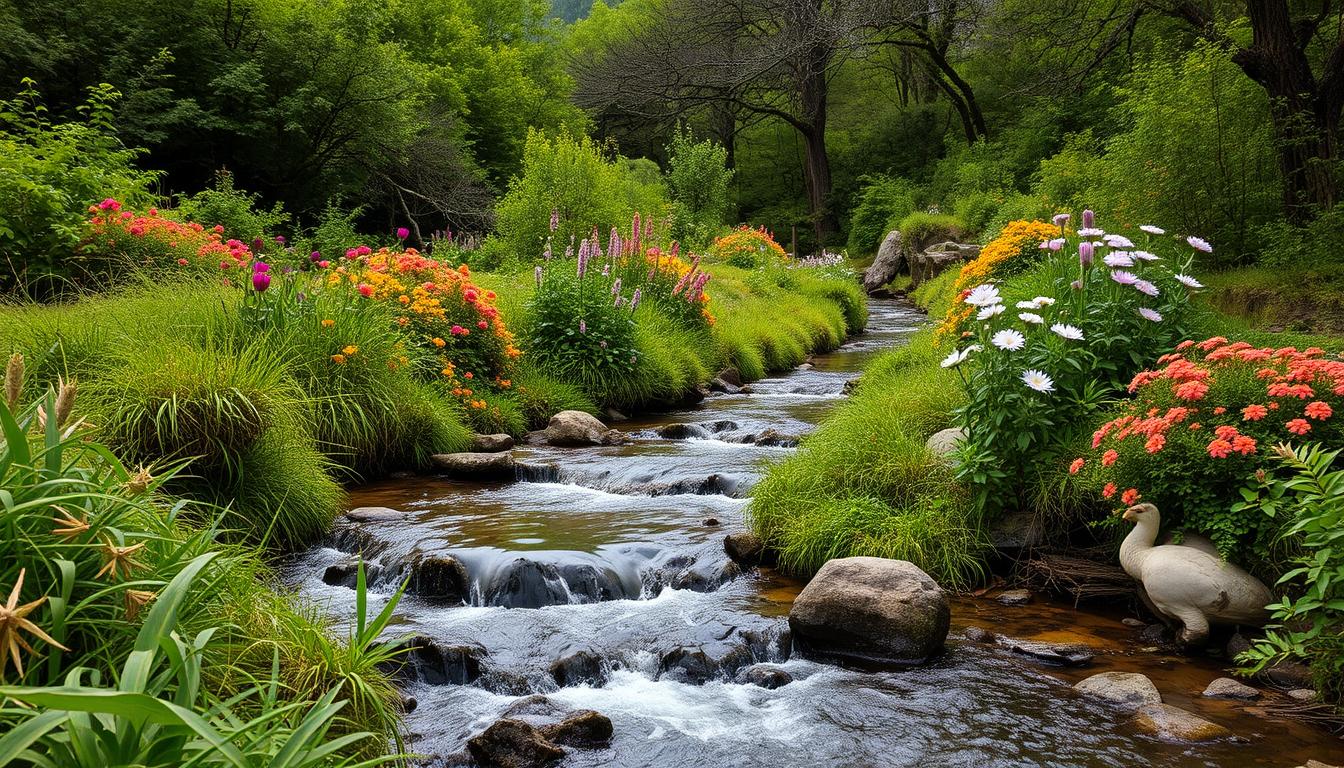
(512, 743)
(475, 466)
(1176, 724)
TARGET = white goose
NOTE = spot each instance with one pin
(1189, 585)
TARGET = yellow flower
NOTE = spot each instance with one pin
(328, 322)
(338, 359)
(119, 562)
(13, 617)
(350, 350)
(438, 342)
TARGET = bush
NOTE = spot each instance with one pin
(1034, 379)
(747, 248)
(881, 201)
(1307, 626)
(565, 178)
(540, 396)
(50, 173)
(1202, 424)
(239, 213)
(698, 175)
(978, 209)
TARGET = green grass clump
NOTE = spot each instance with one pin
(865, 483)
(919, 230)
(540, 397)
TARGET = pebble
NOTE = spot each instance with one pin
(1227, 688)
(1014, 597)
(1302, 694)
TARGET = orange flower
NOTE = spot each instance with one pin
(328, 322)
(1299, 426)
(1319, 410)
(1130, 496)
(1076, 466)
(339, 359)
(1244, 444)
(1219, 449)
(438, 342)
(1155, 443)
(1195, 426)
(1254, 412)
(1108, 458)
(1192, 390)
(1225, 432)
(1108, 491)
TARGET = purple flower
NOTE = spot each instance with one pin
(1076, 285)
(1118, 241)
(547, 253)
(1150, 314)
(1199, 244)
(403, 233)
(1061, 219)
(261, 281)
(280, 239)
(257, 245)
(1085, 252)
(260, 266)
(1124, 278)
(616, 287)
(1145, 256)
(1118, 260)
(315, 256)
(583, 258)
(1143, 286)
(583, 327)
(634, 299)
(1089, 218)
(606, 270)
(555, 219)
(1057, 244)
(538, 273)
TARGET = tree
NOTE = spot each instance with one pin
(773, 58)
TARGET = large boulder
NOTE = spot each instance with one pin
(885, 267)
(871, 608)
(1176, 724)
(584, 728)
(1127, 690)
(576, 428)
(510, 743)
(475, 466)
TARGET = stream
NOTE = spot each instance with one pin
(595, 580)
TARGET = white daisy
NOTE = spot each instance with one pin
(1145, 256)
(990, 311)
(983, 296)
(956, 357)
(1043, 301)
(1072, 333)
(1188, 281)
(1031, 317)
(1009, 340)
(1150, 314)
(1038, 380)
(1150, 229)
(1118, 259)
(1199, 244)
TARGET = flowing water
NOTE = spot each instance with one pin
(599, 579)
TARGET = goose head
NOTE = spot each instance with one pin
(1141, 513)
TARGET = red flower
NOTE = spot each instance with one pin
(1155, 443)
(482, 325)
(1319, 410)
(1254, 412)
(1130, 496)
(1108, 458)
(1220, 449)
(365, 290)
(1108, 491)
(1076, 466)
(1299, 426)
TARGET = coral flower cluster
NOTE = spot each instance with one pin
(151, 239)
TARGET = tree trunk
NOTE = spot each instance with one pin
(817, 163)
(1305, 116)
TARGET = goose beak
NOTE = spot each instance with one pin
(1130, 515)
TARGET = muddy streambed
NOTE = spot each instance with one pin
(596, 581)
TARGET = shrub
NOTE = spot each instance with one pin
(49, 174)
(1202, 423)
(881, 201)
(1035, 378)
(747, 248)
(239, 214)
(1307, 626)
(540, 396)
(978, 209)
(698, 175)
(566, 181)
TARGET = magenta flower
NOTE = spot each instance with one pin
(403, 233)
(261, 281)
(616, 287)
(260, 266)
(555, 219)
(280, 239)
(315, 256)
